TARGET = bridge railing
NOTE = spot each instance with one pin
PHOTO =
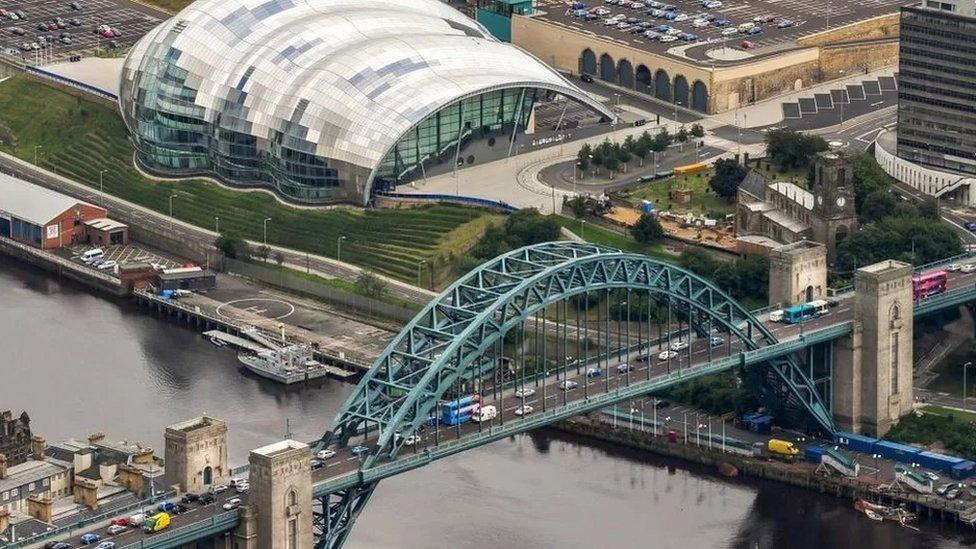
(222, 521)
(942, 262)
(85, 523)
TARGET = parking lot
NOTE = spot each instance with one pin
(131, 20)
(121, 255)
(779, 23)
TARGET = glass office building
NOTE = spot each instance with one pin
(325, 100)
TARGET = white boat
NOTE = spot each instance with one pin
(873, 515)
(288, 364)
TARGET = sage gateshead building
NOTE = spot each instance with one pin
(327, 100)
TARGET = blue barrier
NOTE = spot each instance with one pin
(455, 199)
(71, 82)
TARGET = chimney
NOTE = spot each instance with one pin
(39, 507)
(86, 493)
(4, 520)
(3, 465)
(37, 447)
(96, 437)
(83, 459)
(143, 457)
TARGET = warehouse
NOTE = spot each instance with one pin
(41, 217)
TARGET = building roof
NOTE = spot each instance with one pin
(759, 206)
(785, 220)
(184, 275)
(341, 79)
(28, 472)
(794, 192)
(754, 183)
(105, 224)
(31, 202)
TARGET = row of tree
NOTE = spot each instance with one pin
(612, 155)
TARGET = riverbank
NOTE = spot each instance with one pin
(60, 266)
(800, 474)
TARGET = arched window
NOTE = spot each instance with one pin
(292, 498)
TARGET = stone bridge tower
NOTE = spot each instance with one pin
(797, 273)
(281, 495)
(872, 380)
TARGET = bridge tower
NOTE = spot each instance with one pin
(281, 495)
(196, 454)
(872, 381)
(797, 273)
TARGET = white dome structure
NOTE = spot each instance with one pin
(320, 99)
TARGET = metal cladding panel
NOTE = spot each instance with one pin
(939, 462)
(963, 470)
(898, 452)
(857, 443)
(344, 79)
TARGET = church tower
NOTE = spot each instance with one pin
(833, 207)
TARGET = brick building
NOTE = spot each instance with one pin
(41, 217)
(15, 437)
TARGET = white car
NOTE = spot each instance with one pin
(666, 355)
(776, 316)
(242, 487)
(524, 393)
(325, 454)
(568, 385)
(116, 529)
(700, 23)
(608, 22)
(730, 31)
(523, 410)
(681, 17)
(411, 440)
(110, 264)
(931, 476)
(217, 488)
(673, 32)
(968, 268)
(953, 267)
(668, 38)
(233, 503)
(679, 345)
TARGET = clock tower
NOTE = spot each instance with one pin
(833, 201)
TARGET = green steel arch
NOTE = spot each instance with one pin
(425, 359)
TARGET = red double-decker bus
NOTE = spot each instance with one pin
(930, 283)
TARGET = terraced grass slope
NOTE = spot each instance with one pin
(78, 138)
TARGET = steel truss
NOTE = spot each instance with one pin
(428, 357)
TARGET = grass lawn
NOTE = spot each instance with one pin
(703, 200)
(599, 235)
(968, 417)
(78, 138)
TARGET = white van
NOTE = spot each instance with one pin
(237, 480)
(137, 519)
(92, 255)
(486, 413)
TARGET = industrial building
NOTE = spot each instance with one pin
(327, 101)
(41, 217)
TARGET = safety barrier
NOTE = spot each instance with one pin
(30, 69)
(454, 199)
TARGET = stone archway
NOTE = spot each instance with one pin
(625, 74)
(699, 96)
(608, 69)
(662, 85)
(681, 90)
(643, 78)
(588, 62)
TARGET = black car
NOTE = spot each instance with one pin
(662, 404)
(586, 78)
(179, 509)
(190, 497)
(207, 499)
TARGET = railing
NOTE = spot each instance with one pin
(215, 524)
(68, 529)
(945, 300)
(961, 257)
(454, 199)
(71, 82)
(60, 261)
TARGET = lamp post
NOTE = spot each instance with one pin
(216, 224)
(171, 197)
(266, 219)
(339, 247)
(101, 180)
(35, 152)
(877, 470)
(964, 368)
(420, 266)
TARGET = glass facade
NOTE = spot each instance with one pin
(494, 114)
(323, 99)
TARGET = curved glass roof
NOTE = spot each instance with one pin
(354, 74)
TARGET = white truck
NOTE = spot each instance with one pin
(485, 413)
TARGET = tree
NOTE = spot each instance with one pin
(790, 149)
(527, 226)
(908, 238)
(868, 177)
(877, 205)
(263, 252)
(728, 176)
(369, 284)
(929, 208)
(583, 157)
(622, 152)
(279, 258)
(647, 229)
(697, 130)
(578, 205)
(682, 135)
(662, 141)
(233, 247)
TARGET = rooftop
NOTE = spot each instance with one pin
(786, 221)
(279, 448)
(31, 202)
(794, 192)
(105, 224)
(194, 424)
(28, 472)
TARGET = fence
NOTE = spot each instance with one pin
(497, 205)
(294, 282)
(70, 82)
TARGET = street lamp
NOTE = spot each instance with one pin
(266, 219)
(877, 470)
(35, 152)
(339, 247)
(171, 197)
(101, 186)
(420, 266)
(216, 224)
(964, 368)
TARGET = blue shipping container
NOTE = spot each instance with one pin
(857, 443)
(963, 470)
(939, 462)
(813, 453)
(898, 452)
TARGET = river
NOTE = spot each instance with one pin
(80, 363)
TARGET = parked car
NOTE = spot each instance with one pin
(667, 355)
(952, 494)
(325, 454)
(232, 503)
(524, 392)
(207, 499)
(748, 45)
(586, 78)
(523, 410)
(111, 263)
(594, 372)
(931, 476)
(785, 23)
(218, 488)
(190, 497)
(625, 367)
(242, 487)
(106, 545)
(968, 268)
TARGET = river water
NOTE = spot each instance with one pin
(80, 363)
